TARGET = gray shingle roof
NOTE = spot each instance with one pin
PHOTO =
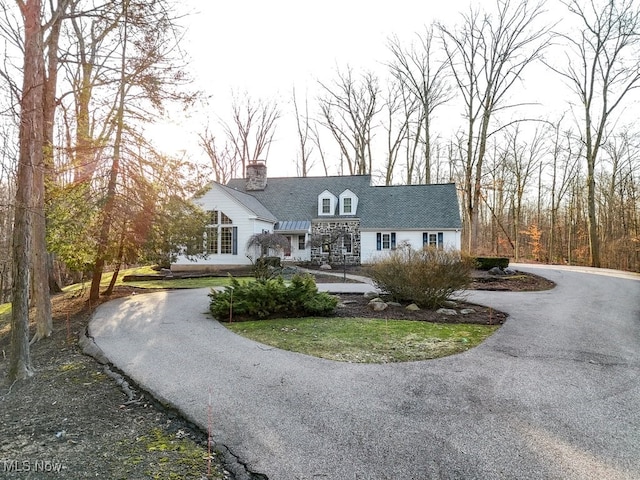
(296, 198)
(410, 206)
(251, 202)
(394, 207)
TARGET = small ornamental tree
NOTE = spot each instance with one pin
(265, 244)
(426, 277)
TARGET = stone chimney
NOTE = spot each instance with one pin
(256, 175)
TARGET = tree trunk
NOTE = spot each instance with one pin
(107, 213)
(31, 155)
(594, 245)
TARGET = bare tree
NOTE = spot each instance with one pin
(488, 54)
(347, 110)
(564, 162)
(303, 124)
(602, 67)
(315, 138)
(252, 129)
(398, 109)
(425, 77)
(223, 159)
(523, 158)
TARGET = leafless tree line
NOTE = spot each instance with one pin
(389, 127)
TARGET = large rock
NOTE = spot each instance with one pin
(496, 271)
(377, 306)
(467, 311)
(325, 266)
(412, 307)
(370, 295)
(446, 311)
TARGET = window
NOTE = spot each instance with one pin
(386, 241)
(226, 240)
(326, 243)
(346, 205)
(221, 239)
(347, 243)
(211, 240)
(327, 202)
(433, 239)
(301, 242)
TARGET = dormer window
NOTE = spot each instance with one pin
(327, 203)
(348, 203)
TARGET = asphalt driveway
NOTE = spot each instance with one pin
(554, 394)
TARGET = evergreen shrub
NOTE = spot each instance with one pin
(271, 298)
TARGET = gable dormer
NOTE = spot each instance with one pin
(327, 203)
(348, 203)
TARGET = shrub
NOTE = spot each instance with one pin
(266, 268)
(270, 298)
(426, 277)
(487, 263)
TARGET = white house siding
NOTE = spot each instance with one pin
(246, 222)
(370, 253)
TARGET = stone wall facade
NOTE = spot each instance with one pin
(332, 232)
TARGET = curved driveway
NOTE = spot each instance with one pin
(553, 394)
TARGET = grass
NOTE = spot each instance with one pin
(205, 282)
(360, 340)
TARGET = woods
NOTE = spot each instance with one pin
(541, 177)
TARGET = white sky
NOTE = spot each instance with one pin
(267, 47)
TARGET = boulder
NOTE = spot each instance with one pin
(467, 311)
(377, 306)
(325, 266)
(370, 295)
(394, 304)
(412, 307)
(509, 271)
(449, 304)
(496, 271)
(446, 311)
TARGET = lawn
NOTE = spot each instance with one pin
(204, 282)
(360, 340)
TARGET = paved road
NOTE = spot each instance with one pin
(554, 394)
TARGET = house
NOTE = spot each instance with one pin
(326, 219)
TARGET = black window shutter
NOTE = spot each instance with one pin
(440, 239)
(378, 241)
(425, 239)
(235, 240)
(393, 240)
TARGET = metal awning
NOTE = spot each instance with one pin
(293, 226)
